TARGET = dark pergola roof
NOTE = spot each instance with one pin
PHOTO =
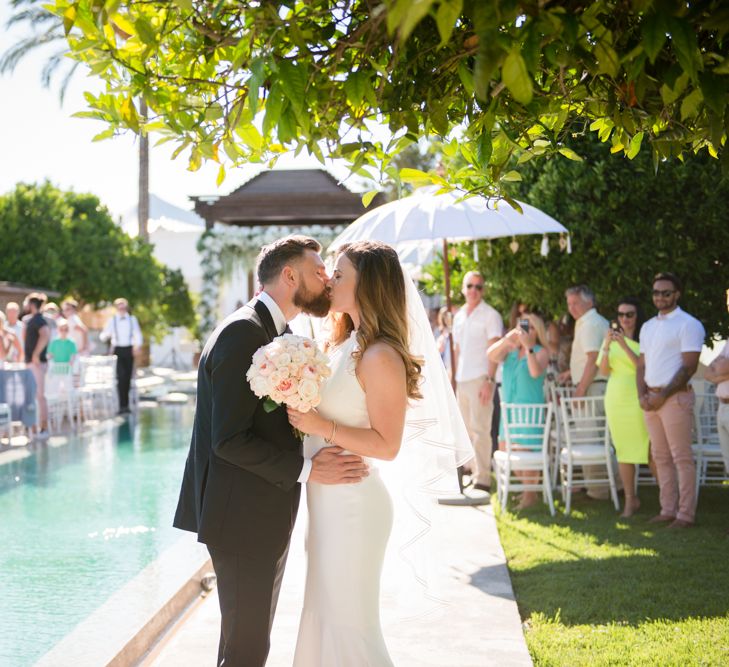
(295, 197)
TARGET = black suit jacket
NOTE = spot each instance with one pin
(239, 492)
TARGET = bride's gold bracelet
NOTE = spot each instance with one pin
(330, 439)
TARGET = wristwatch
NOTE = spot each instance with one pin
(530, 350)
(489, 379)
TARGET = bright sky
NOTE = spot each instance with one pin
(40, 140)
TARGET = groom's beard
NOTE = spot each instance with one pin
(311, 303)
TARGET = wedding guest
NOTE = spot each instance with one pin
(14, 324)
(670, 345)
(717, 373)
(78, 332)
(51, 312)
(476, 326)
(516, 312)
(126, 338)
(590, 328)
(566, 329)
(62, 350)
(11, 348)
(37, 337)
(618, 361)
(525, 357)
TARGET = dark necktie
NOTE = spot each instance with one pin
(287, 330)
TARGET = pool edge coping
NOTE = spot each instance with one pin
(123, 629)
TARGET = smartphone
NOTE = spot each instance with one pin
(524, 325)
(615, 326)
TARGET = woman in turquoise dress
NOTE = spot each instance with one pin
(618, 360)
(525, 358)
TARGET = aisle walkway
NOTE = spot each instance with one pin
(481, 627)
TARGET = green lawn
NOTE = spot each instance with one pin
(595, 590)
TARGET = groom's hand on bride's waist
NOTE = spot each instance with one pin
(330, 466)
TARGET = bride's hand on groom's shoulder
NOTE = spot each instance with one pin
(330, 466)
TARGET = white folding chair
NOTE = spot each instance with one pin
(61, 396)
(6, 422)
(586, 443)
(710, 470)
(556, 440)
(98, 387)
(526, 425)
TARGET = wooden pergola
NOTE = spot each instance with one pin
(293, 197)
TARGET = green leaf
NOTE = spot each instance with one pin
(185, 5)
(221, 176)
(488, 58)
(69, 18)
(446, 17)
(145, 31)
(634, 147)
(607, 59)
(511, 176)
(690, 104)
(354, 87)
(129, 113)
(415, 177)
(274, 106)
(251, 136)
(654, 34)
(569, 154)
(412, 12)
(516, 77)
(367, 197)
(686, 47)
(485, 149)
(714, 89)
(293, 79)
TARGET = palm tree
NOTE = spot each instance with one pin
(47, 29)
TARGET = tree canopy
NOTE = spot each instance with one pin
(626, 224)
(68, 242)
(499, 80)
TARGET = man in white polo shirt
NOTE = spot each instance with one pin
(670, 345)
(476, 326)
(718, 373)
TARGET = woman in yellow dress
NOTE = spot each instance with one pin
(618, 360)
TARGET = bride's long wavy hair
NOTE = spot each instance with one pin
(380, 297)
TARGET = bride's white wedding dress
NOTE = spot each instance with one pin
(349, 525)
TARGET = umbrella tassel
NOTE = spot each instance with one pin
(544, 250)
(569, 244)
(475, 251)
(489, 249)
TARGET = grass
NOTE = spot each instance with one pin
(594, 589)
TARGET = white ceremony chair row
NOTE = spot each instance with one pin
(526, 425)
(710, 470)
(6, 424)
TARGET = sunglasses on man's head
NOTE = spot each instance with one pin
(471, 286)
(665, 293)
(629, 314)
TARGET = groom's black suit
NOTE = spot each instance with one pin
(240, 492)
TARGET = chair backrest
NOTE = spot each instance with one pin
(59, 380)
(97, 370)
(527, 425)
(705, 423)
(4, 414)
(584, 421)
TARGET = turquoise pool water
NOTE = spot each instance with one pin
(79, 520)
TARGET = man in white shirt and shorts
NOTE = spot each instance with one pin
(670, 345)
(476, 326)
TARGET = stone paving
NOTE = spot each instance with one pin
(480, 627)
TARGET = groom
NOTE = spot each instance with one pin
(241, 486)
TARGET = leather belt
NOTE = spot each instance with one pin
(657, 390)
(723, 400)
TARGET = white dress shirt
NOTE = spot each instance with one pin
(471, 333)
(662, 340)
(279, 321)
(722, 388)
(123, 331)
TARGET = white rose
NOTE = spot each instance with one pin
(304, 406)
(293, 401)
(308, 390)
(265, 368)
(298, 357)
(272, 350)
(277, 396)
(308, 348)
(277, 376)
(259, 386)
(310, 372)
(287, 386)
(315, 401)
(283, 359)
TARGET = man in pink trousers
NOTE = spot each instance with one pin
(670, 345)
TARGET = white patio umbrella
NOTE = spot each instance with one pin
(427, 216)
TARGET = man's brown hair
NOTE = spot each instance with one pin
(274, 256)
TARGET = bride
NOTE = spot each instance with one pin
(375, 378)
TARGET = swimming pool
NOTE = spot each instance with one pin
(81, 517)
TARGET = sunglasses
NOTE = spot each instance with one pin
(478, 287)
(665, 293)
(627, 314)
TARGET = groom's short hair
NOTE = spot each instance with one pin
(274, 256)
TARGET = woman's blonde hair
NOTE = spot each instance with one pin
(380, 297)
(538, 323)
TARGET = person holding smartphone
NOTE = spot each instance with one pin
(618, 360)
(525, 356)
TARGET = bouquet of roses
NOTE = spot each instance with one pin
(289, 370)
